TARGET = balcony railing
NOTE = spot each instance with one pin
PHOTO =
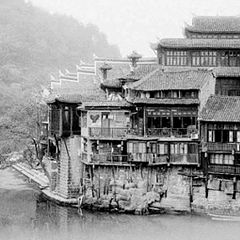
(109, 158)
(148, 157)
(107, 132)
(224, 169)
(184, 158)
(169, 132)
(228, 147)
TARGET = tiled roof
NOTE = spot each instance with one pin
(186, 43)
(140, 71)
(174, 101)
(105, 103)
(221, 109)
(77, 98)
(120, 67)
(227, 71)
(215, 24)
(160, 80)
(66, 98)
(113, 83)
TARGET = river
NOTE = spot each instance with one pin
(25, 215)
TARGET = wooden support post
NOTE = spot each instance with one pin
(234, 187)
(61, 120)
(144, 121)
(71, 120)
(206, 186)
(191, 188)
(99, 182)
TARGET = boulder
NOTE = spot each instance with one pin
(152, 197)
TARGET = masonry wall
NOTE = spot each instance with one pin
(168, 188)
(69, 168)
(135, 188)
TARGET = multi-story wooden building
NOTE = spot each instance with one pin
(145, 112)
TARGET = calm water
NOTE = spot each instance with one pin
(24, 215)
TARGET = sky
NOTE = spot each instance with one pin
(134, 24)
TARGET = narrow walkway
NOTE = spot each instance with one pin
(39, 178)
(35, 175)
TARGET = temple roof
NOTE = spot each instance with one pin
(160, 80)
(188, 43)
(215, 24)
(221, 109)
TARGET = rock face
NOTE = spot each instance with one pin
(135, 192)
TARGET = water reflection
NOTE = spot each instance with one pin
(24, 214)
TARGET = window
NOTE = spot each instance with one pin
(238, 136)
(176, 58)
(162, 148)
(195, 58)
(183, 148)
(221, 159)
(218, 136)
(224, 136)
(230, 58)
(177, 122)
(166, 122)
(137, 147)
(175, 94)
(204, 58)
(210, 136)
(230, 136)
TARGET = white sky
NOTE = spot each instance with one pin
(134, 24)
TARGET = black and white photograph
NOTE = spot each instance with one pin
(119, 119)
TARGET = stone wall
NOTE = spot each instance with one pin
(69, 168)
(160, 188)
(138, 188)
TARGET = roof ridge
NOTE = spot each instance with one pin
(142, 80)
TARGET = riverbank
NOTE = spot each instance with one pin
(25, 215)
(135, 199)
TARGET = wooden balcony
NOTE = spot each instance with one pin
(141, 157)
(169, 132)
(109, 159)
(107, 132)
(222, 147)
(224, 169)
(184, 159)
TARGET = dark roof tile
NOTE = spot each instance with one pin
(188, 43)
(215, 24)
(140, 71)
(113, 83)
(161, 80)
(221, 109)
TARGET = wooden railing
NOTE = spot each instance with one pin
(107, 132)
(221, 146)
(109, 158)
(184, 158)
(169, 132)
(224, 169)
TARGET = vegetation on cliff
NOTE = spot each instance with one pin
(33, 44)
